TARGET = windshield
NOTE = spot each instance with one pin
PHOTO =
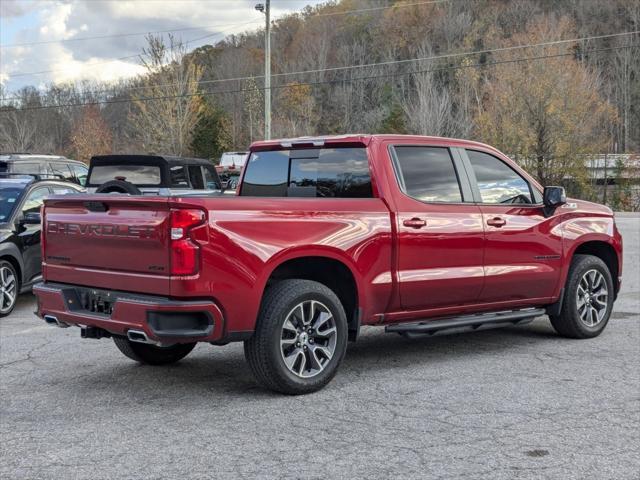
(8, 198)
(136, 174)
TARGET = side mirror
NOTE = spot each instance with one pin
(552, 198)
(31, 218)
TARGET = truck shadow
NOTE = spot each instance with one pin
(222, 372)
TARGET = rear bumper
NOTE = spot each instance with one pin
(162, 319)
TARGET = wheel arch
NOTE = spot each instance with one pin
(605, 252)
(10, 253)
(329, 269)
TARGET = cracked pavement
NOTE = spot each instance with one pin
(509, 403)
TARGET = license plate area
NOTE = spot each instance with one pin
(97, 302)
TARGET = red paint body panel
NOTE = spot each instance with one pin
(457, 262)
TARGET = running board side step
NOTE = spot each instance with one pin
(466, 323)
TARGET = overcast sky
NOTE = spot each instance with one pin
(29, 21)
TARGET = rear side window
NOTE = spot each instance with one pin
(324, 173)
(195, 175)
(497, 181)
(24, 167)
(266, 174)
(178, 176)
(58, 190)
(136, 174)
(428, 174)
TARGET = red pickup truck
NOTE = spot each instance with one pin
(423, 235)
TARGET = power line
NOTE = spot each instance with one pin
(27, 74)
(204, 27)
(114, 35)
(373, 9)
(378, 64)
(322, 82)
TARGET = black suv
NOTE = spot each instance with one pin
(44, 165)
(20, 258)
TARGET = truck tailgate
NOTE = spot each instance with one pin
(107, 241)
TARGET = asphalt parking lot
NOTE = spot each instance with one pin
(510, 403)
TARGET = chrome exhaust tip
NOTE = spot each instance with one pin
(54, 322)
(140, 337)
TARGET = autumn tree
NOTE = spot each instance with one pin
(547, 113)
(90, 135)
(253, 101)
(168, 106)
(296, 111)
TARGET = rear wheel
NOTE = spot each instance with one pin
(152, 355)
(300, 337)
(588, 299)
(9, 287)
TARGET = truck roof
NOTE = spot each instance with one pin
(359, 139)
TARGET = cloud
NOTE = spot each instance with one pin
(15, 8)
(101, 59)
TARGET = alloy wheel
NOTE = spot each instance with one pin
(592, 299)
(308, 339)
(7, 289)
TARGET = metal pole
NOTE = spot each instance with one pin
(267, 73)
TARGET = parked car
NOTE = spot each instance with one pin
(21, 197)
(47, 165)
(152, 175)
(423, 235)
(230, 181)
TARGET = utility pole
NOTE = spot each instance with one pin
(266, 9)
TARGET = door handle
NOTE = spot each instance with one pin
(497, 222)
(414, 223)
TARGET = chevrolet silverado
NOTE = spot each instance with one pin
(423, 235)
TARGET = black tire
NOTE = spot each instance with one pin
(12, 288)
(152, 355)
(118, 186)
(263, 350)
(569, 323)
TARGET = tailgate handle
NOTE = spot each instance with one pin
(96, 206)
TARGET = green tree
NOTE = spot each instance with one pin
(211, 133)
(395, 121)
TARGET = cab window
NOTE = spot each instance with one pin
(428, 174)
(498, 182)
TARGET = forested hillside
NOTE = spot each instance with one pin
(546, 81)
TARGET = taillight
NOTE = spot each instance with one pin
(185, 253)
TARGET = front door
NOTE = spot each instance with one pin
(29, 234)
(440, 232)
(523, 252)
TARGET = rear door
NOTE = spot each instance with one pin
(440, 231)
(523, 251)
